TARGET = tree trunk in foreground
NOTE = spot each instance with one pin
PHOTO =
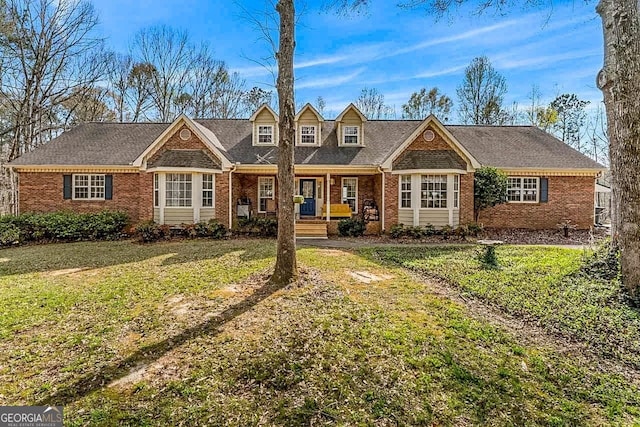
(620, 83)
(286, 269)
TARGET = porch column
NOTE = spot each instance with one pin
(162, 195)
(328, 201)
(450, 198)
(382, 207)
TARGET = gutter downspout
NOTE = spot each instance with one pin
(382, 201)
(231, 171)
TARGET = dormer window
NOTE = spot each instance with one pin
(308, 135)
(265, 135)
(351, 135)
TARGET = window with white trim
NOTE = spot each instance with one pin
(265, 134)
(308, 135)
(156, 190)
(523, 190)
(88, 187)
(178, 190)
(266, 187)
(405, 191)
(350, 193)
(433, 194)
(456, 191)
(351, 135)
(207, 190)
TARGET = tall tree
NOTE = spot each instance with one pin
(255, 98)
(120, 67)
(619, 81)
(321, 105)
(423, 103)
(371, 104)
(481, 94)
(140, 81)
(172, 56)
(537, 114)
(286, 268)
(571, 119)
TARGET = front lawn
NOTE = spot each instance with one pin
(541, 284)
(172, 334)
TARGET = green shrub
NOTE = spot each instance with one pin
(212, 229)
(475, 229)
(446, 231)
(150, 231)
(429, 230)
(68, 226)
(9, 234)
(351, 227)
(396, 231)
(488, 258)
(257, 226)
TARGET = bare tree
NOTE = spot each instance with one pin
(120, 68)
(50, 54)
(172, 56)
(481, 94)
(538, 114)
(571, 119)
(286, 269)
(139, 94)
(321, 105)
(423, 103)
(371, 104)
(255, 98)
(597, 136)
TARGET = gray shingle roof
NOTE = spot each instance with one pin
(434, 159)
(185, 159)
(100, 144)
(519, 147)
(122, 143)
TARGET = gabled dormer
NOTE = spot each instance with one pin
(309, 127)
(350, 127)
(265, 126)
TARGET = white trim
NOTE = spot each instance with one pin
(448, 137)
(273, 190)
(257, 133)
(310, 107)
(328, 199)
(88, 187)
(400, 192)
(343, 135)
(517, 202)
(342, 198)
(429, 172)
(169, 131)
(351, 106)
(255, 115)
(172, 169)
(300, 135)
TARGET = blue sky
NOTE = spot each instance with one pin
(395, 51)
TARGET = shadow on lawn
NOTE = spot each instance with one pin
(95, 380)
(92, 255)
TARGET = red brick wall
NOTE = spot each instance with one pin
(366, 189)
(43, 192)
(438, 143)
(222, 198)
(391, 200)
(176, 143)
(569, 198)
(466, 198)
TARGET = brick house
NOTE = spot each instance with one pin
(392, 171)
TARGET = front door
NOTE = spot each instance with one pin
(308, 191)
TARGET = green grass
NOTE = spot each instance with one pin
(543, 284)
(327, 351)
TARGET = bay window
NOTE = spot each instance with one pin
(178, 190)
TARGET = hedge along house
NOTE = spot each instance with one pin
(392, 171)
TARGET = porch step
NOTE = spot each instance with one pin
(310, 230)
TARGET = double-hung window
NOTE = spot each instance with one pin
(350, 193)
(207, 190)
(265, 192)
(433, 192)
(88, 187)
(265, 134)
(178, 190)
(523, 190)
(405, 191)
(351, 135)
(456, 191)
(307, 135)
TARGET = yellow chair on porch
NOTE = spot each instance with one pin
(338, 210)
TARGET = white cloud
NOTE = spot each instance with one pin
(332, 81)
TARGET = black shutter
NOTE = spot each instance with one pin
(66, 186)
(544, 190)
(108, 187)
